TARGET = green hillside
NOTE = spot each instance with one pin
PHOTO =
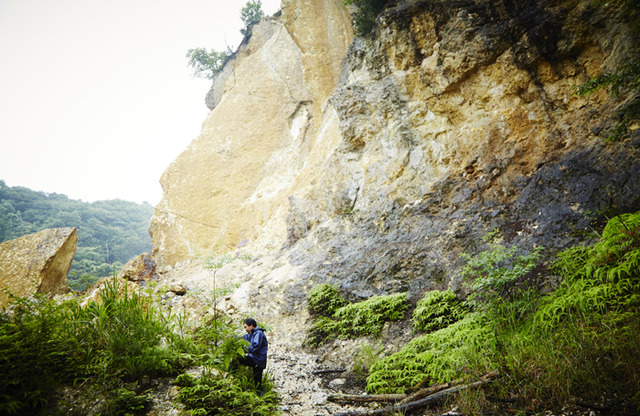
(110, 233)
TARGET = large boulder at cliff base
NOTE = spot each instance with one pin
(36, 263)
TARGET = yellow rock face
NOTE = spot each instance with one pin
(309, 124)
(37, 263)
(236, 177)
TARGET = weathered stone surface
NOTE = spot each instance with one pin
(141, 268)
(246, 158)
(455, 118)
(322, 30)
(37, 263)
(258, 144)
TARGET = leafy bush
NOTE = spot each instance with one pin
(601, 279)
(364, 318)
(491, 274)
(582, 339)
(210, 394)
(436, 357)
(108, 345)
(436, 310)
(324, 300)
(368, 317)
(579, 341)
(206, 64)
(35, 355)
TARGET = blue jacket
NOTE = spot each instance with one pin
(258, 348)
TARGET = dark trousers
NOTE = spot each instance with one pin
(257, 372)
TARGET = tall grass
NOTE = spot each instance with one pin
(108, 347)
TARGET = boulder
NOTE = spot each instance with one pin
(37, 263)
(141, 268)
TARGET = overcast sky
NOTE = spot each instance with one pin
(96, 99)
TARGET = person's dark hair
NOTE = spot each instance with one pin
(251, 322)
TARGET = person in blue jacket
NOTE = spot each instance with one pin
(256, 356)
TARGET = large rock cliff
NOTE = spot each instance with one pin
(373, 162)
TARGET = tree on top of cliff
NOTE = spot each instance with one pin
(251, 14)
(206, 64)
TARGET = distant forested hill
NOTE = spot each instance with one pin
(110, 233)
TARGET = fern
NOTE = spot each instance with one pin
(490, 274)
(358, 319)
(436, 310)
(436, 357)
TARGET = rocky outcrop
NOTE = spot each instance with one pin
(139, 269)
(450, 120)
(37, 263)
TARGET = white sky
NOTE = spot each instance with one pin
(96, 99)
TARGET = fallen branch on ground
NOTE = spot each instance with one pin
(328, 371)
(438, 387)
(365, 398)
(431, 399)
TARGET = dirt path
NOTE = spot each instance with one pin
(304, 393)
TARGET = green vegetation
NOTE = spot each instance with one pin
(208, 63)
(357, 319)
(625, 79)
(366, 14)
(437, 357)
(492, 274)
(110, 233)
(436, 310)
(251, 14)
(579, 342)
(324, 300)
(225, 396)
(109, 350)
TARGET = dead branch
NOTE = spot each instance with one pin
(438, 387)
(417, 404)
(365, 398)
(317, 372)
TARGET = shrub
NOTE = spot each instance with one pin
(251, 14)
(206, 64)
(581, 340)
(436, 357)
(353, 319)
(324, 300)
(436, 310)
(491, 274)
(35, 356)
(211, 394)
(368, 317)
(600, 279)
(108, 346)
